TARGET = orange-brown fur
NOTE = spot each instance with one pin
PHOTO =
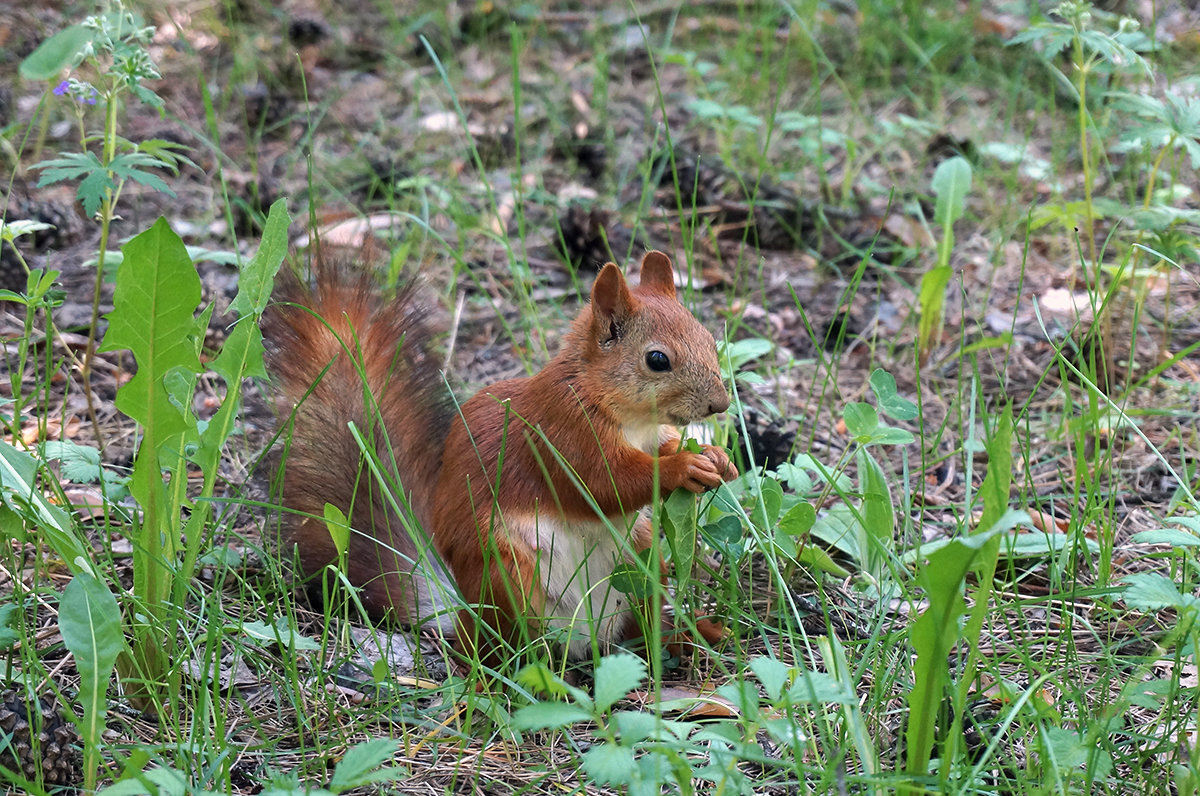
(563, 437)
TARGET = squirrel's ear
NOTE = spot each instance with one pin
(658, 276)
(612, 303)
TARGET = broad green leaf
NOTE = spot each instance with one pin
(799, 519)
(934, 634)
(765, 510)
(726, 530)
(890, 402)
(679, 527)
(1067, 751)
(931, 299)
(814, 557)
(549, 716)
(278, 632)
(819, 688)
(615, 676)
(994, 494)
(240, 357)
(773, 675)
(951, 183)
(56, 53)
(361, 765)
(888, 435)
(90, 622)
(629, 578)
(338, 527)
(163, 781)
(787, 732)
(861, 419)
(154, 303)
(878, 516)
(8, 636)
(153, 316)
(633, 726)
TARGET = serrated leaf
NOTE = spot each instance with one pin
(69, 166)
(258, 275)
(609, 764)
(169, 153)
(93, 189)
(549, 716)
(157, 293)
(361, 765)
(634, 726)
(80, 463)
(56, 53)
(1171, 536)
(615, 676)
(126, 167)
(1150, 591)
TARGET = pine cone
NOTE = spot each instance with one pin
(45, 741)
(584, 240)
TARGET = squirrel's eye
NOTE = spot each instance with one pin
(658, 361)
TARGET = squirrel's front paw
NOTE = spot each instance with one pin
(695, 472)
(720, 460)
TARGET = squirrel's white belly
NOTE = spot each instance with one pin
(575, 562)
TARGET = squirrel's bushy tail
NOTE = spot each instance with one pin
(341, 354)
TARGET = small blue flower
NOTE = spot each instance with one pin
(62, 88)
(90, 99)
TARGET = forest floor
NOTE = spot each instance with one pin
(785, 158)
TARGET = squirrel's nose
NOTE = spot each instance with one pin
(718, 402)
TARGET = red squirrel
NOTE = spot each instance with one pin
(531, 490)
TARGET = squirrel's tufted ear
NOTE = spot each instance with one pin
(658, 276)
(612, 303)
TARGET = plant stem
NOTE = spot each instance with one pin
(106, 216)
